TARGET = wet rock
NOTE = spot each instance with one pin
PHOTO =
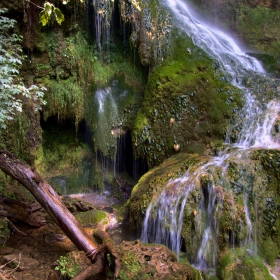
(247, 196)
(142, 261)
(53, 237)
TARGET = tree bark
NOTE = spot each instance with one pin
(50, 201)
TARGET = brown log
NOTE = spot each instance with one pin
(50, 201)
(107, 243)
(91, 270)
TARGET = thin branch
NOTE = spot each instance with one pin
(35, 5)
(14, 227)
(9, 272)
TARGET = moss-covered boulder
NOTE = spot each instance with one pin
(187, 104)
(242, 264)
(236, 202)
(93, 218)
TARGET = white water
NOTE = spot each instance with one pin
(164, 218)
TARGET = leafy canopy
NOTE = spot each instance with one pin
(49, 9)
(11, 86)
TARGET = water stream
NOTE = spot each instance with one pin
(164, 217)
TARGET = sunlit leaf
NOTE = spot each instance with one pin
(44, 17)
(58, 16)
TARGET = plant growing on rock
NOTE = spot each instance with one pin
(67, 266)
(11, 87)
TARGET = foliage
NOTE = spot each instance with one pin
(241, 264)
(11, 87)
(260, 26)
(66, 99)
(49, 9)
(67, 266)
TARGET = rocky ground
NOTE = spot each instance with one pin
(45, 253)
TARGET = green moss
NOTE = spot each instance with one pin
(132, 266)
(255, 173)
(241, 264)
(152, 183)
(73, 70)
(268, 250)
(253, 22)
(187, 104)
(91, 217)
(65, 99)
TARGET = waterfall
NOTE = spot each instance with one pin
(164, 217)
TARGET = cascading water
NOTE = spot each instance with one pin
(164, 217)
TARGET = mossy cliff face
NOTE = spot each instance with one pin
(150, 28)
(23, 134)
(186, 106)
(242, 264)
(64, 59)
(246, 190)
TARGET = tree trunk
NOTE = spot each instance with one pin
(49, 200)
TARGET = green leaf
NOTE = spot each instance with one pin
(44, 17)
(58, 15)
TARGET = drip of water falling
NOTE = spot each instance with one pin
(249, 223)
(164, 217)
(103, 10)
(208, 249)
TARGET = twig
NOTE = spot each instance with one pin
(9, 272)
(15, 228)
(35, 5)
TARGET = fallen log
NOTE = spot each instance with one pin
(52, 203)
(107, 244)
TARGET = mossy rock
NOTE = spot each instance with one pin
(92, 217)
(247, 189)
(152, 183)
(241, 264)
(152, 261)
(187, 104)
